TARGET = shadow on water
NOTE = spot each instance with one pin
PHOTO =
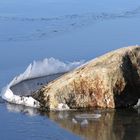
(111, 125)
(27, 87)
(1, 100)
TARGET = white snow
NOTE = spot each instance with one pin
(62, 106)
(34, 70)
(9, 96)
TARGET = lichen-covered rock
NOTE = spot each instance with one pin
(109, 81)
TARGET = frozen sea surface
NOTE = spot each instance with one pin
(68, 30)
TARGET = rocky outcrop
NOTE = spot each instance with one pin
(109, 81)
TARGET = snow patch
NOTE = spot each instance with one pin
(9, 96)
(62, 106)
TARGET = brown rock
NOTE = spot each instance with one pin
(110, 81)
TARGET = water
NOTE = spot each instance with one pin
(69, 30)
(26, 123)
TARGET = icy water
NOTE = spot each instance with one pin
(69, 30)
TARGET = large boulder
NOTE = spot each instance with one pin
(109, 81)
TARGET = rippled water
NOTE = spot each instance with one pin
(68, 30)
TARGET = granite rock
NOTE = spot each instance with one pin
(109, 81)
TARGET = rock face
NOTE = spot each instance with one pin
(110, 81)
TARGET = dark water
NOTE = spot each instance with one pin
(68, 30)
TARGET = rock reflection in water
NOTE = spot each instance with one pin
(111, 125)
(91, 129)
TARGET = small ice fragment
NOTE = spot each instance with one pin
(62, 106)
(84, 122)
(96, 116)
(74, 121)
(138, 104)
(88, 116)
(8, 95)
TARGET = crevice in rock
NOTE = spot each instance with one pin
(131, 93)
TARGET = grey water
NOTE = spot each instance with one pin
(68, 30)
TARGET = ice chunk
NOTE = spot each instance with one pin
(48, 66)
(88, 116)
(62, 106)
(34, 70)
(8, 95)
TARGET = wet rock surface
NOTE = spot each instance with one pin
(109, 81)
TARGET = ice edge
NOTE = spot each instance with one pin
(34, 70)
